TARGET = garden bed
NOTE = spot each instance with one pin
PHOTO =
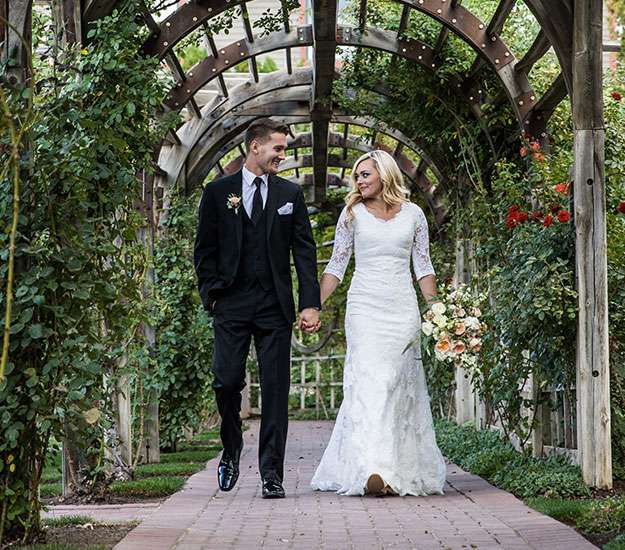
(78, 533)
(152, 482)
(551, 485)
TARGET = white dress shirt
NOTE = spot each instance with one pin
(249, 188)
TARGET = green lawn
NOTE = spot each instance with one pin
(567, 511)
(152, 487)
(168, 469)
(616, 544)
(151, 480)
(189, 456)
(68, 520)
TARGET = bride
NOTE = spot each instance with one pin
(383, 440)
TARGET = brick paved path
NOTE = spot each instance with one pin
(471, 514)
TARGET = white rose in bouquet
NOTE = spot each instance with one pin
(439, 308)
(427, 328)
(439, 320)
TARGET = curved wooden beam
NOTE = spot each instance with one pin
(457, 18)
(173, 156)
(556, 20)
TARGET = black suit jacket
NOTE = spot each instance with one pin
(219, 234)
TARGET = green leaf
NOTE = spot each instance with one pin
(74, 264)
(35, 331)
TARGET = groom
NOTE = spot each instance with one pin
(249, 223)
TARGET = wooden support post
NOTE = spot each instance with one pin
(324, 24)
(70, 12)
(16, 38)
(593, 376)
(151, 443)
(464, 395)
(151, 447)
(123, 417)
(318, 397)
(302, 390)
(465, 402)
(539, 428)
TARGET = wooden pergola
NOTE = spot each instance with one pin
(573, 28)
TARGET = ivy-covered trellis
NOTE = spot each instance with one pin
(435, 82)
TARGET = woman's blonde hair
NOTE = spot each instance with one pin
(393, 188)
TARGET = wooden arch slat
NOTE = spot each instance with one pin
(219, 117)
(210, 68)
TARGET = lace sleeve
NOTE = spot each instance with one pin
(421, 262)
(343, 245)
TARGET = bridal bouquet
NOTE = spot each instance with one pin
(454, 324)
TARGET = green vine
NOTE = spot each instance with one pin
(79, 268)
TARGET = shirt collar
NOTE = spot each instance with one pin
(249, 177)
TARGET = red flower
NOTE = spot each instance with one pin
(534, 146)
(621, 207)
(616, 96)
(537, 215)
(548, 220)
(515, 217)
(523, 151)
(555, 208)
(564, 216)
(539, 157)
(561, 188)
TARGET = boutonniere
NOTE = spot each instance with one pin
(234, 202)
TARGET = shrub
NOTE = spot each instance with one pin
(486, 454)
(604, 516)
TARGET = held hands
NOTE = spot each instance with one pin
(309, 320)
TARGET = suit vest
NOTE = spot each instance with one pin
(254, 264)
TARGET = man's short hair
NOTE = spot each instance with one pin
(261, 129)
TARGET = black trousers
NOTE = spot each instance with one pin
(239, 314)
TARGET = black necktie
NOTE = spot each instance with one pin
(257, 202)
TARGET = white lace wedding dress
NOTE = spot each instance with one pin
(384, 425)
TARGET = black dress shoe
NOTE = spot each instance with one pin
(228, 470)
(272, 488)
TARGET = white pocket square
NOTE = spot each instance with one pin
(286, 208)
